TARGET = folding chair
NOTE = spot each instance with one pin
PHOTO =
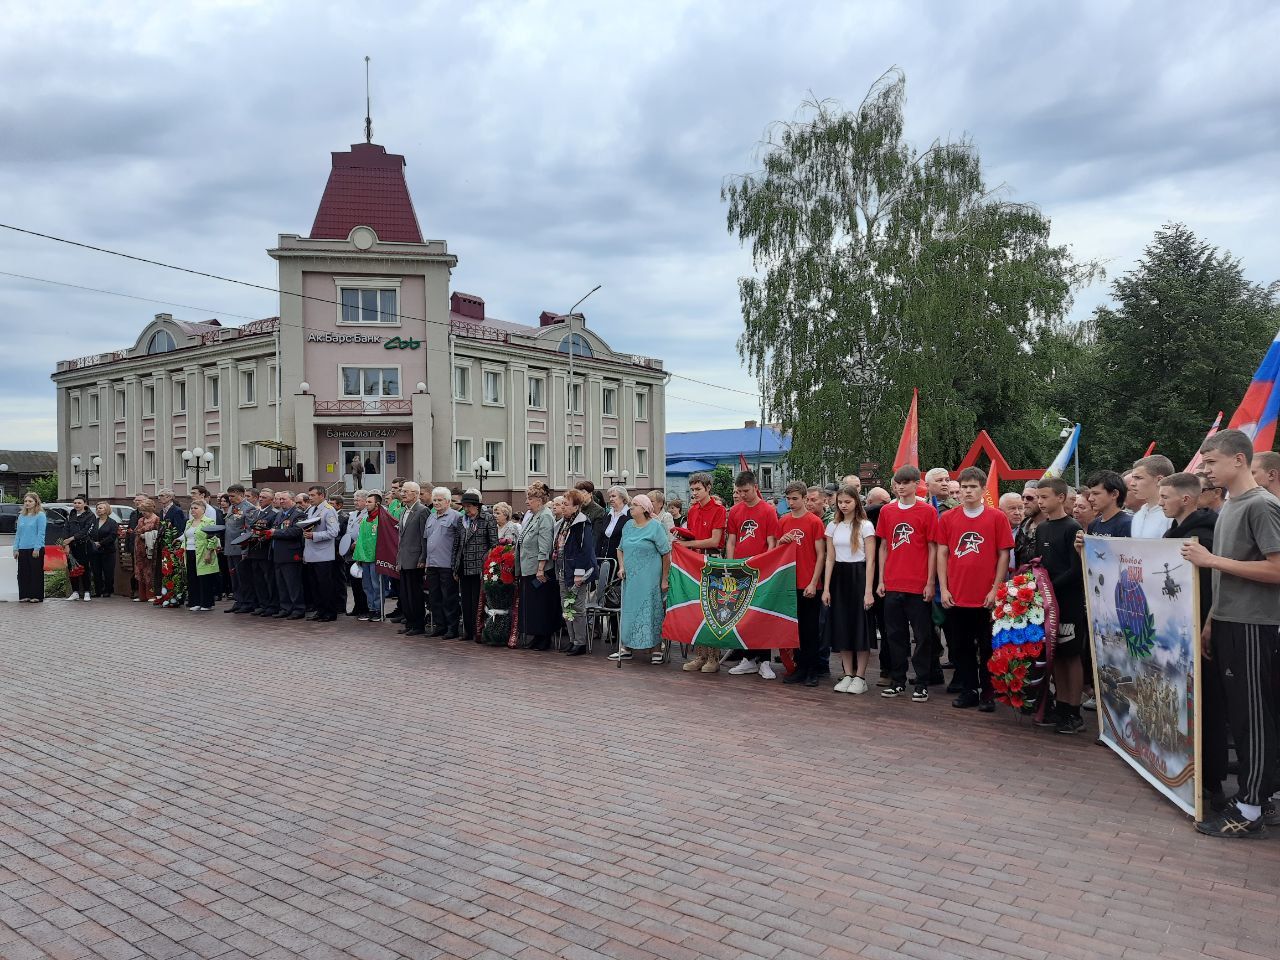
(597, 610)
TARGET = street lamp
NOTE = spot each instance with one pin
(4, 469)
(613, 477)
(198, 460)
(87, 471)
(480, 469)
(1067, 427)
(571, 423)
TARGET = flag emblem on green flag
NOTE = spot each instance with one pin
(734, 604)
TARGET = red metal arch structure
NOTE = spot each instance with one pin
(984, 444)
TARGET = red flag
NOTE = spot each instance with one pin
(909, 446)
(1195, 461)
(742, 463)
(387, 551)
(1257, 413)
(991, 496)
(1151, 449)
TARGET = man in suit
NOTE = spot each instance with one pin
(412, 559)
(238, 521)
(319, 553)
(477, 536)
(259, 554)
(170, 512)
(286, 557)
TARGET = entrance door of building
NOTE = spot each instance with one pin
(363, 465)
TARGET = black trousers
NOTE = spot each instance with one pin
(203, 589)
(1213, 725)
(318, 580)
(30, 575)
(969, 643)
(102, 563)
(191, 579)
(412, 600)
(289, 588)
(906, 614)
(469, 588)
(265, 584)
(1245, 654)
(807, 613)
(242, 590)
(446, 611)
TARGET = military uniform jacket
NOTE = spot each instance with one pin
(286, 536)
(239, 520)
(260, 549)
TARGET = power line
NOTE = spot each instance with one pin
(127, 296)
(267, 289)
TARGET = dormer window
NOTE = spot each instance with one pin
(161, 342)
(581, 347)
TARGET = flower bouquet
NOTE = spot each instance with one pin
(569, 607)
(498, 595)
(172, 590)
(1026, 625)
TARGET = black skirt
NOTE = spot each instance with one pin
(848, 629)
(539, 606)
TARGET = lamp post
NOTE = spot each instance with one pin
(198, 460)
(4, 470)
(570, 423)
(1067, 427)
(614, 477)
(480, 468)
(89, 470)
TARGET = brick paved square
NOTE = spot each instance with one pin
(178, 785)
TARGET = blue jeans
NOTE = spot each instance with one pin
(372, 583)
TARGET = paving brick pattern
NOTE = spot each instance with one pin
(182, 785)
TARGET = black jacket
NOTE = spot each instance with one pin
(1200, 524)
(607, 546)
(104, 537)
(580, 551)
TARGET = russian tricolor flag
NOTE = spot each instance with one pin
(1257, 412)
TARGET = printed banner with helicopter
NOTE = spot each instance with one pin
(1144, 623)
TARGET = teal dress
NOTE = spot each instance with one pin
(643, 605)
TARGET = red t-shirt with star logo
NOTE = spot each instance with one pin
(752, 526)
(809, 535)
(973, 547)
(909, 533)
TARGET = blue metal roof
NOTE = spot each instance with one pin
(714, 444)
(690, 466)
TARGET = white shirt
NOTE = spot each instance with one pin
(1149, 522)
(840, 534)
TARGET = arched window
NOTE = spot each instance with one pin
(161, 342)
(581, 346)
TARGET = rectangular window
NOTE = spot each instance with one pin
(642, 404)
(493, 386)
(537, 393)
(462, 455)
(538, 458)
(94, 411)
(74, 399)
(120, 477)
(148, 466)
(179, 396)
(273, 382)
(148, 400)
(370, 383)
(573, 397)
(361, 306)
(462, 382)
(248, 388)
(609, 461)
(493, 452)
(247, 452)
(120, 405)
(212, 393)
(180, 467)
(766, 476)
(642, 463)
(575, 459)
(609, 401)
(215, 465)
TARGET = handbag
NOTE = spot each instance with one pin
(612, 595)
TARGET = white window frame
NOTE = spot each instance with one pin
(248, 376)
(608, 409)
(576, 453)
(497, 373)
(538, 469)
(342, 381)
(367, 283)
(149, 399)
(642, 401)
(73, 408)
(215, 468)
(95, 407)
(148, 466)
(248, 460)
(121, 467)
(462, 455)
(642, 461)
(609, 461)
(497, 465)
(180, 395)
(180, 467)
(542, 389)
(120, 402)
(573, 390)
(766, 471)
(453, 384)
(212, 391)
(273, 383)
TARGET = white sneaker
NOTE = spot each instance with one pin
(766, 670)
(858, 685)
(843, 685)
(86, 598)
(744, 667)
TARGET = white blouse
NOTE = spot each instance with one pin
(839, 535)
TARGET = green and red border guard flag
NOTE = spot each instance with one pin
(909, 446)
(733, 604)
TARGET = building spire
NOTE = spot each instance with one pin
(368, 113)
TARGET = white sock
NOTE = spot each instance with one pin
(1250, 811)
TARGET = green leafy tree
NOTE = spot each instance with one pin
(879, 268)
(722, 483)
(46, 487)
(1180, 343)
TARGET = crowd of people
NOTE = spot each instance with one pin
(907, 573)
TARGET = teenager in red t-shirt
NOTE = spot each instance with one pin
(973, 559)
(705, 526)
(906, 531)
(805, 529)
(753, 528)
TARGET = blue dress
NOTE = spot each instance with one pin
(643, 606)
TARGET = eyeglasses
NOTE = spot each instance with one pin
(1029, 498)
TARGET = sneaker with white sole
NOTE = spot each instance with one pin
(843, 685)
(743, 667)
(858, 685)
(766, 670)
(1090, 704)
(920, 695)
(892, 691)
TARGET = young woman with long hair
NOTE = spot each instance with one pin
(847, 588)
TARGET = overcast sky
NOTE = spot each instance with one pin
(559, 145)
